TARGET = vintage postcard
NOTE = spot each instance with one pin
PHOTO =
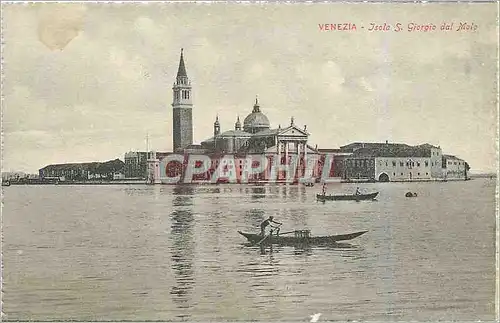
(309, 162)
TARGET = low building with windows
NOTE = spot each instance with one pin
(454, 168)
(401, 162)
(402, 168)
(386, 162)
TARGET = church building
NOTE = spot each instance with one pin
(254, 137)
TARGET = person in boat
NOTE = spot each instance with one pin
(324, 189)
(357, 191)
(267, 223)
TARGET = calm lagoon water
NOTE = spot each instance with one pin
(173, 253)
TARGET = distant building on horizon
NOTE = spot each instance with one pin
(108, 170)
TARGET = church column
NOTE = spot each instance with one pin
(304, 144)
(298, 158)
(278, 157)
(305, 151)
(286, 152)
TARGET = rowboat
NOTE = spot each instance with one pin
(351, 197)
(299, 239)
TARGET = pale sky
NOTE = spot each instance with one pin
(88, 82)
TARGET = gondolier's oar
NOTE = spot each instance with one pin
(287, 232)
(262, 240)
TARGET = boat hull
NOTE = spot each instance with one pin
(293, 241)
(361, 197)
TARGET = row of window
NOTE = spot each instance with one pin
(409, 164)
(185, 95)
(454, 163)
(365, 163)
(360, 162)
(418, 174)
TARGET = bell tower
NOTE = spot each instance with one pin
(182, 109)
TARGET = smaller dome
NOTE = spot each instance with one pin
(237, 125)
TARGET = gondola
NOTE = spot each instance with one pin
(352, 197)
(300, 238)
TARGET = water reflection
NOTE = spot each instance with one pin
(184, 190)
(183, 195)
(263, 249)
(183, 250)
(344, 250)
(258, 193)
(137, 190)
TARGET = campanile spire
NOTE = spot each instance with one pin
(181, 72)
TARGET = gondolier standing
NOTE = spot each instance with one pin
(324, 189)
(266, 223)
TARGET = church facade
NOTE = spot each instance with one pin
(257, 137)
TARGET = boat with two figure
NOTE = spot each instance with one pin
(357, 196)
(295, 237)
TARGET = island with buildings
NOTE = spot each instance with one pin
(253, 151)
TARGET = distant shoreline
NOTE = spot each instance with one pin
(251, 183)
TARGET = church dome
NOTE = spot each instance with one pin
(256, 120)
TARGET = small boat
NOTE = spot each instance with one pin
(6, 183)
(309, 184)
(301, 237)
(351, 197)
